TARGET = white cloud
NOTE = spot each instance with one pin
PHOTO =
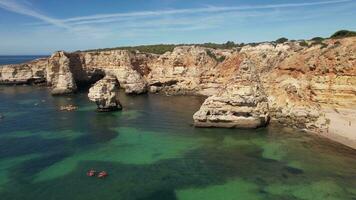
(25, 8)
(69, 23)
(21, 8)
(108, 18)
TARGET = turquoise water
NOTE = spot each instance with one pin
(151, 151)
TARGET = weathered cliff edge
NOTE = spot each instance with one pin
(294, 83)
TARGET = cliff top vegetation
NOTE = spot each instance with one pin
(163, 48)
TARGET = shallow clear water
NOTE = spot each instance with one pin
(151, 151)
(5, 60)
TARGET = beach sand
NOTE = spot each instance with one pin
(342, 127)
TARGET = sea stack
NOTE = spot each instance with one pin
(63, 80)
(242, 104)
(103, 93)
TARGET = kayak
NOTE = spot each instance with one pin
(103, 174)
(91, 173)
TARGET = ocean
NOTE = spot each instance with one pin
(4, 60)
(151, 151)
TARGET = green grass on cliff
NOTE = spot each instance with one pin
(343, 34)
(163, 48)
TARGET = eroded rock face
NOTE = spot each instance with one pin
(15, 74)
(186, 70)
(59, 74)
(104, 94)
(124, 65)
(242, 104)
(28, 73)
(130, 80)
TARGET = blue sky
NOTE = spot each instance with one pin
(44, 26)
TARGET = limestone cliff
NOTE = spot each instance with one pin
(294, 83)
(124, 65)
(241, 104)
(186, 70)
(59, 74)
(27, 73)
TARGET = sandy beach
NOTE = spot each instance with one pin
(342, 127)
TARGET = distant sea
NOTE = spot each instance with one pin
(4, 60)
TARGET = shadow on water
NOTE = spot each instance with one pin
(161, 179)
(199, 169)
(151, 151)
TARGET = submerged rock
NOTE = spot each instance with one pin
(103, 93)
(241, 105)
(68, 108)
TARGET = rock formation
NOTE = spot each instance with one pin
(242, 104)
(28, 73)
(181, 71)
(68, 108)
(124, 65)
(104, 94)
(59, 74)
(292, 83)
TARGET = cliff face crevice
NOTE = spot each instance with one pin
(289, 83)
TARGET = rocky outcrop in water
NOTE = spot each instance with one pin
(242, 104)
(59, 74)
(104, 94)
(68, 108)
(126, 66)
(28, 73)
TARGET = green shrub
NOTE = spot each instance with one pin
(253, 44)
(212, 55)
(281, 40)
(227, 45)
(322, 45)
(163, 48)
(343, 33)
(221, 59)
(317, 39)
(156, 49)
(303, 43)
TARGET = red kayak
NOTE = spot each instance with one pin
(91, 173)
(103, 174)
